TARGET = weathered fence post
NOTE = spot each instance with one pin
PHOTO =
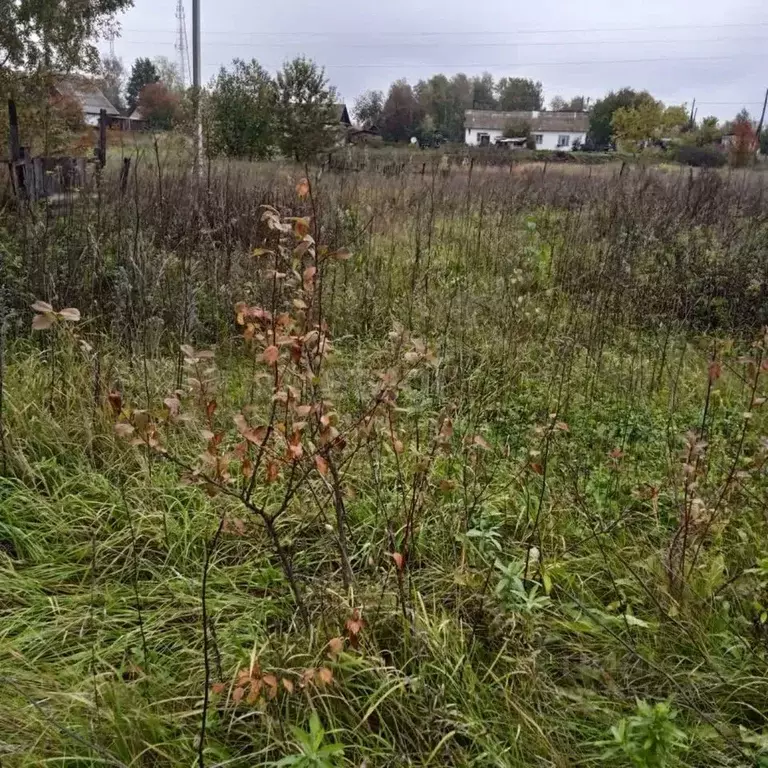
(102, 150)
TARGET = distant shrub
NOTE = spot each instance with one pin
(700, 157)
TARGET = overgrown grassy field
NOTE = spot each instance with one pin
(460, 468)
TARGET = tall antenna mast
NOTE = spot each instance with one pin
(182, 44)
(111, 39)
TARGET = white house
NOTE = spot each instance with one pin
(550, 130)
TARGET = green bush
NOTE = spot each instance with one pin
(700, 157)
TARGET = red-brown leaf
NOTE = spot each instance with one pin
(271, 355)
(324, 676)
(42, 322)
(321, 464)
(116, 401)
(270, 681)
(296, 450)
(336, 646)
(354, 624)
(398, 558)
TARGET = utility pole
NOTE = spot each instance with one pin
(762, 117)
(693, 114)
(196, 88)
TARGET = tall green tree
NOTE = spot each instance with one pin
(57, 35)
(445, 101)
(519, 93)
(306, 114)
(675, 118)
(143, 73)
(559, 104)
(601, 115)
(111, 78)
(402, 115)
(369, 106)
(243, 105)
(643, 122)
(708, 132)
(484, 92)
(168, 73)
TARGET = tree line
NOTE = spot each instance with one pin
(434, 109)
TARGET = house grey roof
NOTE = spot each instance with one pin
(91, 99)
(342, 114)
(540, 122)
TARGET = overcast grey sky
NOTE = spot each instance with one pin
(714, 50)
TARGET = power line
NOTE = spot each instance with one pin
(510, 43)
(465, 33)
(473, 65)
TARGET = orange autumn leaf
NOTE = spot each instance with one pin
(354, 624)
(324, 676)
(270, 681)
(287, 684)
(273, 470)
(302, 188)
(398, 558)
(321, 464)
(296, 450)
(335, 646)
(271, 355)
(237, 694)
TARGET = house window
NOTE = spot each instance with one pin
(484, 139)
(563, 140)
(538, 138)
